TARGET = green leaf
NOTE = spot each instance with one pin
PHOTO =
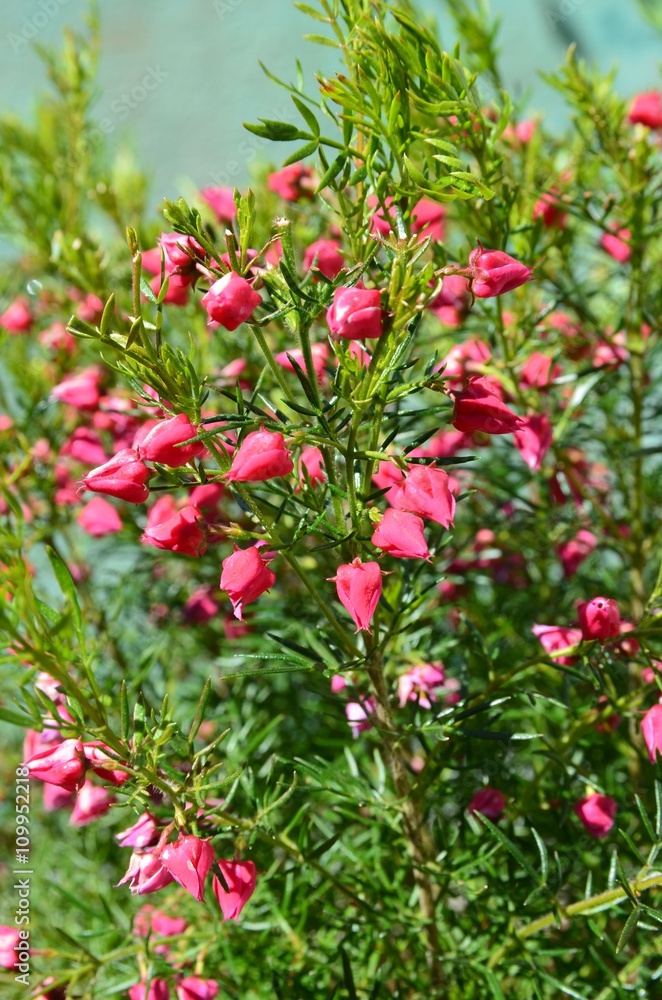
(68, 588)
(200, 710)
(322, 40)
(302, 152)
(628, 929)
(276, 131)
(15, 718)
(307, 115)
(511, 848)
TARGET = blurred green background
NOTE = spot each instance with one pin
(201, 57)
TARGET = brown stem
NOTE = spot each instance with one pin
(418, 837)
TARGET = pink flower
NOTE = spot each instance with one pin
(99, 518)
(428, 218)
(539, 371)
(178, 288)
(90, 309)
(62, 765)
(549, 209)
(261, 455)
(533, 439)
(245, 577)
(573, 552)
(181, 253)
(194, 988)
(453, 301)
(221, 201)
(200, 606)
(189, 861)
(149, 920)
(145, 874)
(101, 761)
(91, 802)
(488, 802)
(292, 183)
(158, 990)
(81, 390)
(9, 939)
(185, 533)
(85, 446)
(388, 474)
(646, 109)
(425, 492)
(144, 833)
(359, 587)
(596, 814)
(231, 301)
(496, 272)
(356, 314)
(599, 618)
(207, 496)
(54, 798)
(240, 878)
(479, 407)
(17, 317)
(164, 508)
(320, 355)
(123, 476)
(325, 255)
(616, 246)
(463, 360)
(311, 461)
(164, 442)
(400, 534)
(651, 730)
(358, 715)
(556, 637)
(419, 684)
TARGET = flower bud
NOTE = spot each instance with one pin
(261, 455)
(312, 461)
(200, 606)
(419, 684)
(189, 861)
(245, 577)
(17, 317)
(221, 201)
(164, 442)
(575, 551)
(358, 715)
(428, 217)
(241, 879)
(9, 939)
(194, 988)
(496, 272)
(488, 802)
(479, 407)
(651, 729)
(556, 637)
(178, 288)
(646, 109)
(320, 356)
(91, 802)
(81, 390)
(596, 814)
(453, 301)
(99, 518)
(63, 765)
(425, 492)
(549, 209)
(144, 833)
(145, 874)
(149, 920)
(599, 618)
(158, 990)
(356, 314)
(177, 259)
(123, 476)
(533, 439)
(101, 762)
(293, 182)
(400, 534)
(185, 533)
(231, 301)
(359, 587)
(84, 446)
(325, 255)
(616, 245)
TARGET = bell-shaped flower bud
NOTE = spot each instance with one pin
(419, 684)
(17, 317)
(356, 314)
(99, 518)
(188, 861)
(359, 587)
(164, 442)
(496, 272)
(231, 301)
(325, 255)
(240, 878)
(651, 729)
(646, 109)
(245, 577)
(91, 802)
(144, 833)
(489, 802)
(145, 874)
(533, 439)
(596, 814)
(195, 988)
(124, 476)
(185, 533)
(63, 765)
(573, 552)
(158, 990)
(261, 455)
(557, 637)
(400, 534)
(599, 618)
(81, 390)
(479, 407)
(312, 461)
(425, 492)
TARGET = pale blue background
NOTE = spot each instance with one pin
(189, 127)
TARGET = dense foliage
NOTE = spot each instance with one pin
(396, 408)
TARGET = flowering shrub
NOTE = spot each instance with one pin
(330, 539)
